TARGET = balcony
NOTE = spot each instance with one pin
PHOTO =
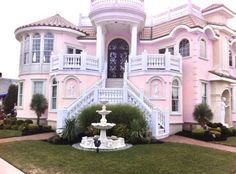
(155, 62)
(74, 61)
(101, 4)
(105, 11)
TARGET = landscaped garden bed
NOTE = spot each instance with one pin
(11, 127)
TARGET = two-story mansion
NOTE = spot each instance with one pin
(163, 64)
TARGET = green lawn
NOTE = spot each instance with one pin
(167, 158)
(231, 141)
(9, 133)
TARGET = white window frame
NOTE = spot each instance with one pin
(179, 96)
(33, 86)
(203, 48)
(204, 92)
(189, 51)
(26, 49)
(230, 58)
(48, 48)
(167, 48)
(20, 94)
(36, 43)
(54, 97)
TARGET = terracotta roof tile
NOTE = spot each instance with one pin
(90, 31)
(53, 21)
(165, 28)
(215, 6)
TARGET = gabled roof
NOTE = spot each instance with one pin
(216, 6)
(53, 21)
(165, 28)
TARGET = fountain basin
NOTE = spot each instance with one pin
(103, 126)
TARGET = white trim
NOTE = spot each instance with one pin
(218, 9)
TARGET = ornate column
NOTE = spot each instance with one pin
(134, 33)
(100, 45)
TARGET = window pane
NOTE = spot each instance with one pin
(36, 49)
(48, 47)
(230, 58)
(20, 100)
(175, 96)
(162, 51)
(203, 48)
(184, 48)
(54, 94)
(69, 50)
(38, 87)
(171, 50)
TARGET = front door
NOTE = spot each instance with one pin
(118, 51)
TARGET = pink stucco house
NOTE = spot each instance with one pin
(163, 64)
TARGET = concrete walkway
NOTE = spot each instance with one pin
(5, 167)
(43, 136)
(185, 140)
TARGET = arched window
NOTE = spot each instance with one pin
(184, 48)
(48, 47)
(26, 49)
(230, 58)
(203, 48)
(54, 94)
(36, 48)
(175, 96)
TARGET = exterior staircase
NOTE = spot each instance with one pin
(114, 83)
(117, 91)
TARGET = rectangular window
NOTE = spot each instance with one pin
(54, 97)
(20, 94)
(69, 50)
(175, 99)
(72, 50)
(38, 87)
(163, 50)
(204, 92)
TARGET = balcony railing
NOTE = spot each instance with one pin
(147, 61)
(101, 4)
(74, 61)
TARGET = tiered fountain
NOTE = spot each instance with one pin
(107, 143)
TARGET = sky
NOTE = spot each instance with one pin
(15, 13)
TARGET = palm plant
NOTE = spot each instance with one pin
(71, 130)
(39, 104)
(202, 114)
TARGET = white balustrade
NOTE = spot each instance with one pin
(74, 61)
(135, 4)
(155, 62)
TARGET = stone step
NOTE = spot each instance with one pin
(114, 83)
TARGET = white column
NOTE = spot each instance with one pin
(134, 33)
(100, 40)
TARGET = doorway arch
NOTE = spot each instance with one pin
(118, 52)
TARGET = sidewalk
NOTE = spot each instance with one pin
(6, 168)
(185, 140)
(43, 136)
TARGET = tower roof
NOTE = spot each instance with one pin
(53, 21)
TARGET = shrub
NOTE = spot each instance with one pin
(14, 127)
(233, 130)
(56, 139)
(137, 132)
(71, 130)
(28, 121)
(39, 104)
(33, 128)
(215, 129)
(121, 114)
(198, 132)
(215, 134)
(10, 120)
(225, 131)
(19, 122)
(46, 128)
(10, 100)
(1, 124)
(6, 126)
(91, 131)
(202, 114)
(120, 130)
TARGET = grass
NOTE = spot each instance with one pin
(40, 157)
(9, 133)
(231, 141)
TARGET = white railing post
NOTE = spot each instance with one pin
(125, 94)
(96, 95)
(154, 124)
(141, 95)
(130, 62)
(144, 60)
(167, 122)
(83, 60)
(61, 116)
(167, 60)
(51, 61)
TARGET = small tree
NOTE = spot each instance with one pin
(39, 104)
(202, 113)
(11, 99)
